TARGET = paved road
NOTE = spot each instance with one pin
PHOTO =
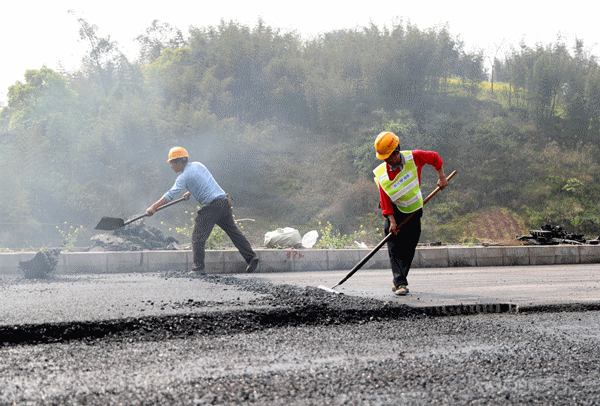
(520, 285)
(229, 341)
(107, 296)
(79, 298)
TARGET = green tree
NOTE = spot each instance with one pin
(157, 38)
(576, 115)
(43, 92)
(543, 86)
(592, 100)
(103, 57)
(173, 74)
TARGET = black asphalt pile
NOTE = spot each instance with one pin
(133, 237)
(41, 265)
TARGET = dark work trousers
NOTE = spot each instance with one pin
(217, 212)
(402, 246)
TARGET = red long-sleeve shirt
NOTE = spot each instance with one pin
(421, 158)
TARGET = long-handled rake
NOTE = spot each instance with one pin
(374, 251)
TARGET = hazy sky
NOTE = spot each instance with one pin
(38, 32)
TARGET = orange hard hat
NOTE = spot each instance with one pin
(385, 143)
(177, 152)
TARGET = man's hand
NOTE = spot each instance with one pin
(442, 181)
(187, 195)
(393, 225)
(152, 209)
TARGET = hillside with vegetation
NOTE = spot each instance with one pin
(287, 127)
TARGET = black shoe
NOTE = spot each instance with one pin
(252, 265)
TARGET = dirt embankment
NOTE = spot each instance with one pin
(495, 224)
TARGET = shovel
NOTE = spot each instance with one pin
(112, 223)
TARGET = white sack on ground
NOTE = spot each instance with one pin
(310, 239)
(283, 237)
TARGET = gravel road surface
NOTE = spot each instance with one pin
(251, 342)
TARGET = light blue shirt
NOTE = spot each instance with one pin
(199, 182)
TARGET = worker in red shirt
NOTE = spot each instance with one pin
(399, 181)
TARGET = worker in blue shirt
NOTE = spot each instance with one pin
(199, 183)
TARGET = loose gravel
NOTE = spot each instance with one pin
(304, 346)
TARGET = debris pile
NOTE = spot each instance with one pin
(133, 237)
(553, 235)
(40, 266)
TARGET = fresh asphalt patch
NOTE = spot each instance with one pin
(273, 306)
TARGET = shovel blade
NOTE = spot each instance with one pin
(110, 223)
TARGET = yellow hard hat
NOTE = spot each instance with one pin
(177, 152)
(385, 143)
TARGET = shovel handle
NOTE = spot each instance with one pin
(387, 237)
(164, 206)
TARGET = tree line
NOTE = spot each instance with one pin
(556, 87)
(287, 125)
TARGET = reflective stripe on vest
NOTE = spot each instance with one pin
(403, 190)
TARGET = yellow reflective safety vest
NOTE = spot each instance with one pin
(403, 190)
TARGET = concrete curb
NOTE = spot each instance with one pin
(292, 260)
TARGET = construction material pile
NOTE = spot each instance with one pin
(40, 266)
(133, 237)
(553, 235)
